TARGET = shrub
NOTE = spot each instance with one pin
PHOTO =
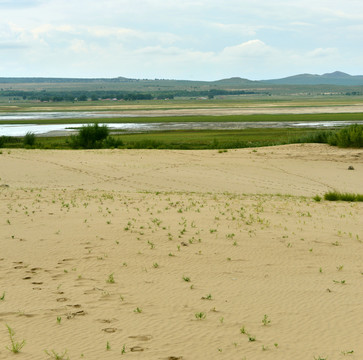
(332, 196)
(350, 136)
(112, 142)
(336, 196)
(29, 139)
(90, 137)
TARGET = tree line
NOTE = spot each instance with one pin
(57, 96)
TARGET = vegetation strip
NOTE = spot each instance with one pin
(199, 118)
(338, 196)
(96, 137)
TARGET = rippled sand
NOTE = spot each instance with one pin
(156, 254)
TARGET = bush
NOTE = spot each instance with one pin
(90, 137)
(29, 139)
(350, 136)
(112, 142)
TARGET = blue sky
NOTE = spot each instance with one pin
(197, 40)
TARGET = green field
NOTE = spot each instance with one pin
(191, 139)
(201, 118)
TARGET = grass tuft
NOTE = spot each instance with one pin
(15, 346)
(337, 196)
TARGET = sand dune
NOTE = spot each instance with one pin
(181, 254)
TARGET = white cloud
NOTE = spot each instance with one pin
(322, 53)
(202, 39)
(251, 48)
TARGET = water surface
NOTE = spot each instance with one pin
(66, 129)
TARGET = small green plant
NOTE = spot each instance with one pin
(123, 350)
(347, 352)
(186, 278)
(207, 297)
(59, 319)
(243, 330)
(200, 315)
(320, 358)
(339, 282)
(266, 321)
(54, 355)
(221, 320)
(138, 310)
(108, 346)
(155, 265)
(264, 348)
(15, 346)
(110, 279)
(251, 338)
(317, 198)
(340, 267)
(2, 298)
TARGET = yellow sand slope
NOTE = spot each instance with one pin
(181, 254)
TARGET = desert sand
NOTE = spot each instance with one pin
(156, 254)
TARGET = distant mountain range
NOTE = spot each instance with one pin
(334, 78)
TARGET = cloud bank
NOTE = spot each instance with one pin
(202, 39)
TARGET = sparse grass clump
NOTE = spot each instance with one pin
(200, 315)
(111, 279)
(54, 355)
(15, 346)
(266, 321)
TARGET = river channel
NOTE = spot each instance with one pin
(66, 129)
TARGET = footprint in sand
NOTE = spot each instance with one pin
(109, 330)
(62, 299)
(77, 313)
(136, 348)
(141, 337)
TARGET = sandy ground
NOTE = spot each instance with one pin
(148, 254)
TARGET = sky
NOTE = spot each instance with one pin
(180, 39)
